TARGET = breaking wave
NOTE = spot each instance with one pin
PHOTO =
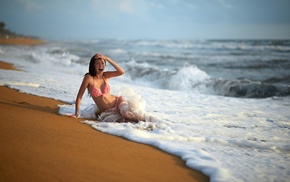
(191, 78)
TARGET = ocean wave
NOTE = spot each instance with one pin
(165, 43)
(191, 78)
(251, 45)
(248, 89)
(257, 64)
(53, 55)
(191, 66)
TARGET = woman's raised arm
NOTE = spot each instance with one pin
(119, 70)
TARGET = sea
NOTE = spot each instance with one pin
(222, 106)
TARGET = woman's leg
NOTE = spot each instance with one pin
(127, 114)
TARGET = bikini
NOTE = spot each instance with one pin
(114, 114)
(96, 92)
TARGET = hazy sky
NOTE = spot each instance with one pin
(149, 19)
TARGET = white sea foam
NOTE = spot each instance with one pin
(229, 139)
(188, 78)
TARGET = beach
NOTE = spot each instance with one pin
(37, 144)
(221, 109)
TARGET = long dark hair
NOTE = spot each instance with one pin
(92, 70)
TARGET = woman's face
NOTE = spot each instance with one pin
(100, 65)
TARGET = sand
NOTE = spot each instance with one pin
(21, 41)
(37, 144)
(7, 66)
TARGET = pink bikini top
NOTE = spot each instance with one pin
(96, 92)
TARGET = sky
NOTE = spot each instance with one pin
(148, 19)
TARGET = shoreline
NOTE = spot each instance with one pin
(20, 41)
(37, 144)
(7, 66)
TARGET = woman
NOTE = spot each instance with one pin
(96, 81)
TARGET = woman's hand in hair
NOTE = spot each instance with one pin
(99, 55)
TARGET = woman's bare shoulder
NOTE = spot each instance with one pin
(88, 78)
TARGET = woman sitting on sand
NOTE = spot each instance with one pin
(96, 81)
